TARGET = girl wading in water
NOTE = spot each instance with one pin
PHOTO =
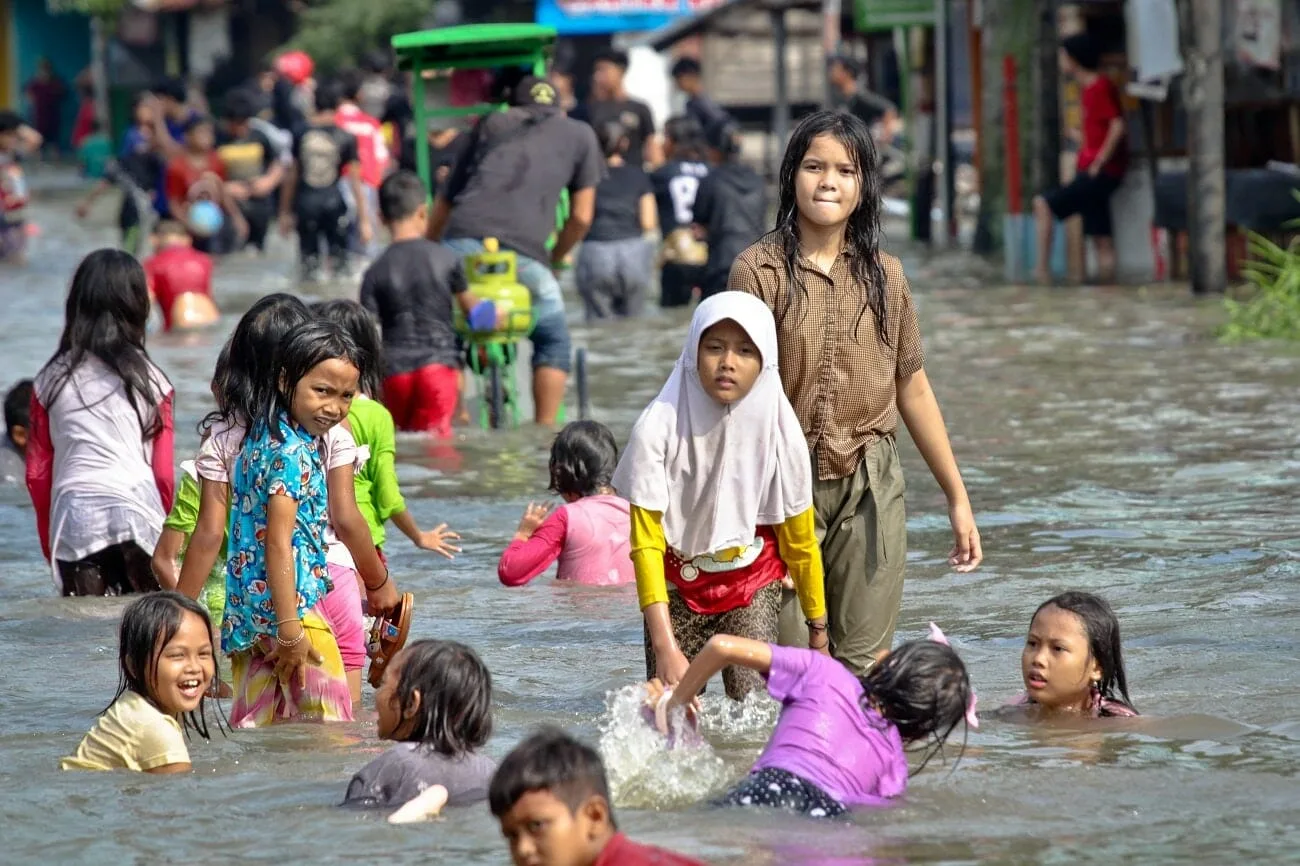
(851, 363)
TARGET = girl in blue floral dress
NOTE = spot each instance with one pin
(285, 660)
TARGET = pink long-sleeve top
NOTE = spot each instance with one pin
(589, 537)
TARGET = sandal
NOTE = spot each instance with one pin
(388, 636)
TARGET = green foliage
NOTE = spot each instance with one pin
(1272, 310)
(336, 33)
(106, 9)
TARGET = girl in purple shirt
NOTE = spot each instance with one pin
(839, 741)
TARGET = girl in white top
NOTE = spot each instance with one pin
(99, 461)
(253, 366)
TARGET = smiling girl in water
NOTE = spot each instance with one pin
(1072, 661)
(166, 660)
(718, 475)
(285, 658)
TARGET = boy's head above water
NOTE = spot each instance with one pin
(552, 798)
(18, 419)
(1072, 657)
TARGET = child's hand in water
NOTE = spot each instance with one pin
(534, 516)
(439, 540)
(659, 701)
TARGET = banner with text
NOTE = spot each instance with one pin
(577, 17)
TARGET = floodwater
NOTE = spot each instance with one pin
(1109, 444)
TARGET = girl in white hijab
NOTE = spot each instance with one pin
(720, 480)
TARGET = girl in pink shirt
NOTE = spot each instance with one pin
(589, 533)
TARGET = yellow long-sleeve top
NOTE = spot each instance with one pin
(797, 546)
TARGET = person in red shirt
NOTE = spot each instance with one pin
(552, 799)
(372, 150)
(1103, 159)
(196, 174)
(180, 279)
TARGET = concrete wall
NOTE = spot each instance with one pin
(64, 39)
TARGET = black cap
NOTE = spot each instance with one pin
(532, 90)
(722, 135)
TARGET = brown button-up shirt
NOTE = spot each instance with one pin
(839, 374)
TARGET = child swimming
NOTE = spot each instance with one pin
(435, 701)
(720, 483)
(552, 799)
(839, 741)
(1072, 662)
(285, 658)
(589, 533)
(99, 451)
(165, 663)
(180, 279)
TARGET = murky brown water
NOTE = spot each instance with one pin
(1108, 443)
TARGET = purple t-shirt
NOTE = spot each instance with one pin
(825, 736)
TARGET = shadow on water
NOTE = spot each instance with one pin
(1109, 445)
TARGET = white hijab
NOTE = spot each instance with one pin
(718, 472)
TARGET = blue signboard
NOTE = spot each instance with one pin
(577, 17)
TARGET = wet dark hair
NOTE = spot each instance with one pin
(328, 95)
(552, 761)
(687, 136)
(1082, 49)
(10, 121)
(612, 136)
(170, 88)
(921, 689)
(195, 121)
(583, 458)
(250, 376)
(400, 195)
(455, 713)
(861, 235)
(18, 405)
(376, 61)
(686, 66)
(1102, 628)
(350, 81)
(361, 326)
(847, 63)
(105, 318)
(723, 136)
(241, 104)
(148, 624)
(614, 56)
(308, 344)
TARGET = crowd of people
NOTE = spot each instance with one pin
(757, 504)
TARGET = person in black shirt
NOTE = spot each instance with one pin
(676, 183)
(507, 185)
(611, 102)
(689, 78)
(253, 166)
(410, 289)
(730, 207)
(311, 197)
(878, 113)
(135, 173)
(614, 263)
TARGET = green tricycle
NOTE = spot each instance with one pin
(492, 356)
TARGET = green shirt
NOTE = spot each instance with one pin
(183, 518)
(378, 495)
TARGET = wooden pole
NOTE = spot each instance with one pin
(1047, 173)
(781, 111)
(1202, 24)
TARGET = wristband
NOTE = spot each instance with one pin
(382, 583)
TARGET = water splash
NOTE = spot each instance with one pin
(647, 769)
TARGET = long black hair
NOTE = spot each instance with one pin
(249, 378)
(1102, 628)
(105, 319)
(612, 136)
(455, 713)
(583, 458)
(364, 331)
(922, 689)
(310, 343)
(861, 235)
(148, 625)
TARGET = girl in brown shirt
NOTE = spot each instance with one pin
(852, 363)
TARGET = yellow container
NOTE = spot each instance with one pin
(492, 277)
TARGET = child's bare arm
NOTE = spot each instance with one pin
(354, 532)
(721, 650)
(205, 541)
(437, 539)
(166, 557)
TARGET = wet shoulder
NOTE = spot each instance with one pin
(760, 270)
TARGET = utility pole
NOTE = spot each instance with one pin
(831, 12)
(1047, 173)
(1202, 26)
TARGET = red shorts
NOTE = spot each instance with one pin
(423, 399)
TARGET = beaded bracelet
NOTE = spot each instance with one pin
(289, 644)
